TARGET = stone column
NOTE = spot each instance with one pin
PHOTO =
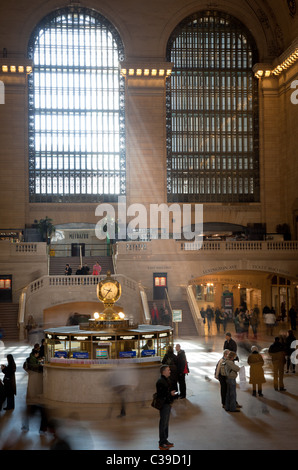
(146, 131)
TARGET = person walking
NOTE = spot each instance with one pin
(218, 319)
(278, 354)
(293, 317)
(224, 319)
(209, 315)
(231, 370)
(257, 377)
(166, 396)
(9, 382)
(182, 370)
(254, 322)
(269, 319)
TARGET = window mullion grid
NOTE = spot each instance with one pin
(63, 110)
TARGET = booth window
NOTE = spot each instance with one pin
(76, 109)
(212, 111)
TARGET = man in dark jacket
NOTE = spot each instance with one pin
(166, 396)
(230, 344)
(182, 370)
(278, 356)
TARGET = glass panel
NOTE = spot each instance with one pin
(76, 109)
(212, 110)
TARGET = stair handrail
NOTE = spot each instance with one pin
(62, 281)
(21, 314)
(145, 304)
(169, 302)
(195, 311)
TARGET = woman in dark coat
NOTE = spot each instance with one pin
(9, 382)
(257, 377)
(170, 359)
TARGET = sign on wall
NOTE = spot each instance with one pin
(177, 315)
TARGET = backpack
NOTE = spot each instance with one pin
(25, 365)
(222, 369)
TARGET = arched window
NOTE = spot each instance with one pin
(76, 109)
(212, 111)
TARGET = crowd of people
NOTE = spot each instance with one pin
(281, 355)
(170, 385)
(160, 316)
(175, 367)
(83, 270)
(245, 319)
(8, 388)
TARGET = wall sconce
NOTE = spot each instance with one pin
(157, 71)
(7, 67)
(267, 70)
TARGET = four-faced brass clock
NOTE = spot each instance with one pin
(108, 290)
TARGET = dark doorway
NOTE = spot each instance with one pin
(75, 249)
(6, 288)
(159, 285)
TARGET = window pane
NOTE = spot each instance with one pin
(212, 111)
(76, 109)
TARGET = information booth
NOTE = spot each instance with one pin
(81, 363)
(87, 363)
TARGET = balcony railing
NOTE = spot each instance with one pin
(241, 246)
(207, 246)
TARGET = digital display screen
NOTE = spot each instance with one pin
(102, 353)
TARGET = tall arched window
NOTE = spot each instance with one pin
(212, 111)
(76, 109)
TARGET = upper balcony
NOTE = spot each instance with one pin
(194, 259)
(286, 249)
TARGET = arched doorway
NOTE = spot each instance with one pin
(246, 289)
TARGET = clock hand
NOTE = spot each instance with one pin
(109, 290)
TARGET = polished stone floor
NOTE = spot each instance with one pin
(197, 423)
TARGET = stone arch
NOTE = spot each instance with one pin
(261, 23)
(38, 14)
(257, 283)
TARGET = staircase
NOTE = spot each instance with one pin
(8, 321)
(57, 264)
(185, 328)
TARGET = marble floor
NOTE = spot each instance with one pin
(197, 423)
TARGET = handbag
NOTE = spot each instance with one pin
(186, 368)
(242, 378)
(156, 402)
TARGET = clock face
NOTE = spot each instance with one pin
(109, 291)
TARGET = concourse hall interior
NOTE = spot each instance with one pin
(148, 199)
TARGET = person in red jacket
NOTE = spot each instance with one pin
(155, 315)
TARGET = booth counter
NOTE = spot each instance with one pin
(88, 366)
